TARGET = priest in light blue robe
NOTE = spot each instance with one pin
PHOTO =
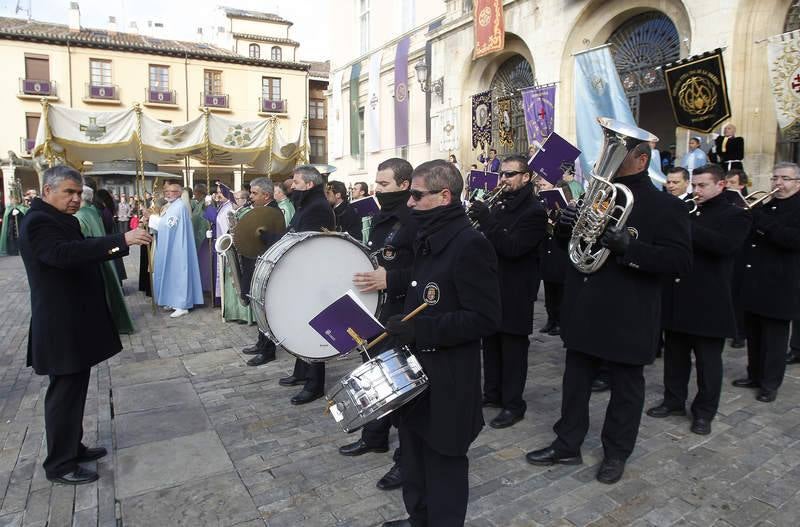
(176, 277)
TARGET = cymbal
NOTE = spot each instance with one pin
(245, 235)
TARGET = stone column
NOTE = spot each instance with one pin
(8, 177)
(237, 179)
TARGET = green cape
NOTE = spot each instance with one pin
(7, 219)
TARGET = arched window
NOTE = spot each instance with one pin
(255, 51)
(276, 53)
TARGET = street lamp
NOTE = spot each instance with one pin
(425, 85)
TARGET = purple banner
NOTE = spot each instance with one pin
(482, 119)
(539, 107)
(401, 93)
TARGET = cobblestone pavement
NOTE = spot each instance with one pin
(198, 438)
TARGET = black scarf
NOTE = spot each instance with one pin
(432, 220)
(299, 197)
(391, 200)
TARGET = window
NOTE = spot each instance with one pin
(364, 24)
(255, 51)
(31, 125)
(316, 109)
(212, 82)
(37, 67)
(271, 88)
(100, 72)
(276, 53)
(159, 78)
(317, 144)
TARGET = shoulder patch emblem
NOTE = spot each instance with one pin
(389, 253)
(432, 293)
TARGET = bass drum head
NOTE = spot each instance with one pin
(309, 276)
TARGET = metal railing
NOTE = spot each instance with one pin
(108, 92)
(26, 145)
(158, 96)
(272, 106)
(37, 87)
(214, 100)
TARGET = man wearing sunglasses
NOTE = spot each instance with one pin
(455, 273)
(515, 226)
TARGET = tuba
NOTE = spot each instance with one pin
(598, 207)
(225, 247)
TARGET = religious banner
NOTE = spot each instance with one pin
(448, 136)
(783, 54)
(505, 133)
(401, 93)
(373, 111)
(335, 119)
(698, 91)
(538, 104)
(482, 119)
(490, 29)
(355, 124)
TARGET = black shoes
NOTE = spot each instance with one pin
(737, 343)
(91, 454)
(291, 380)
(766, 396)
(488, 403)
(391, 480)
(747, 382)
(360, 447)
(555, 331)
(791, 358)
(548, 327)
(505, 419)
(79, 476)
(548, 456)
(665, 411)
(701, 426)
(252, 350)
(261, 358)
(610, 471)
(305, 397)
(397, 523)
(600, 385)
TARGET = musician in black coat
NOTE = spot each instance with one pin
(312, 213)
(615, 318)
(346, 218)
(455, 272)
(392, 241)
(515, 225)
(771, 284)
(728, 149)
(67, 293)
(553, 262)
(697, 309)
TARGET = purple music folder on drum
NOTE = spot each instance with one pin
(366, 206)
(483, 180)
(345, 312)
(551, 160)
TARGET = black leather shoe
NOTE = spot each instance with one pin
(261, 358)
(391, 480)
(547, 327)
(610, 471)
(91, 454)
(291, 380)
(737, 343)
(488, 403)
(701, 426)
(548, 456)
(79, 476)
(600, 385)
(505, 419)
(360, 447)
(305, 396)
(252, 350)
(745, 383)
(767, 396)
(555, 331)
(791, 358)
(397, 523)
(665, 411)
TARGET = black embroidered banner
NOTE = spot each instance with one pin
(698, 91)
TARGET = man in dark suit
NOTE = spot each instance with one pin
(771, 283)
(697, 309)
(515, 226)
(615, 318)
(455, 273)
(67, 293)
(728, 149)
(346, 218)
(677, 183)
(313, 213)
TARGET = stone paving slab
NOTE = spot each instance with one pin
(154, 395)
(161, 424)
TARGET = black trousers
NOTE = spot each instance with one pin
(505, 370)
(435, 486)
(314, 374)
(767, 341)
(794, 343)
(265, 345)
(553, 294)
(63, 422)
(623, 414)
(678, 349)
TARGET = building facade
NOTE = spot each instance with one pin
(541, 37)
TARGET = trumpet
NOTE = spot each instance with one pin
(491, 199)
(759, 197)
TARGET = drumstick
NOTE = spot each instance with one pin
(406, 318)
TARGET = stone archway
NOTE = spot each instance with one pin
(513, 75)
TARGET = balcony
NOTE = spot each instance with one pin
(37, 89)
(160, 98)
(268, 106)
(26, 145)
(102, 94)
(215, 101)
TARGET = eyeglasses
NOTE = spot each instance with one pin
(511, 173)
(417, 195)
(783, 178)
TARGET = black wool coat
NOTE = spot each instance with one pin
(516, 228)
(700, 303)
(71, 327)
(456, 269)
(615, 313)
(347, 220)
(313, 212)
(771, 258)
(553, 260)
(392, 241)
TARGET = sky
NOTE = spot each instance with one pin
(310, 17)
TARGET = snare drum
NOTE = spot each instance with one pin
(299, 276)
(376, 388)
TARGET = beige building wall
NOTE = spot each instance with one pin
(259, 27)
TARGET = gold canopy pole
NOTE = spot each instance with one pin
(140, 167)
(207, 138)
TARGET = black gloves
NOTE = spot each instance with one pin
(403, 332)
(616, 239)
(479, 211)
(568, 216)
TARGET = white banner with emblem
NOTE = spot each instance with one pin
(783, 55)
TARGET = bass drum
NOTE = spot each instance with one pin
(299, 276)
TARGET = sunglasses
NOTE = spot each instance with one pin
(511, 173)
(417, 195)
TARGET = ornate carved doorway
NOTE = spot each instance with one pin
(515, 74)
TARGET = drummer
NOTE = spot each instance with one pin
(391, 239)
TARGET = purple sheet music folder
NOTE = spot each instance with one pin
(549, 162)
(345, 312)
(483, 180)
(553, 198)
(366, 206)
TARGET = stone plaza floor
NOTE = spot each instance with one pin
(198, 438)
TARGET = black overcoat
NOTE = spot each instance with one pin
(347, 220)
(392, 241)
(553, 260)
(734, 151)
(457, 268)
(71, 327)
(615, 313)
(313, 212)
(517, 228)
(700, 303)
(771, 274)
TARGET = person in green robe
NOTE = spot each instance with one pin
(9, 234)
(92, 227)
(232, 308)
